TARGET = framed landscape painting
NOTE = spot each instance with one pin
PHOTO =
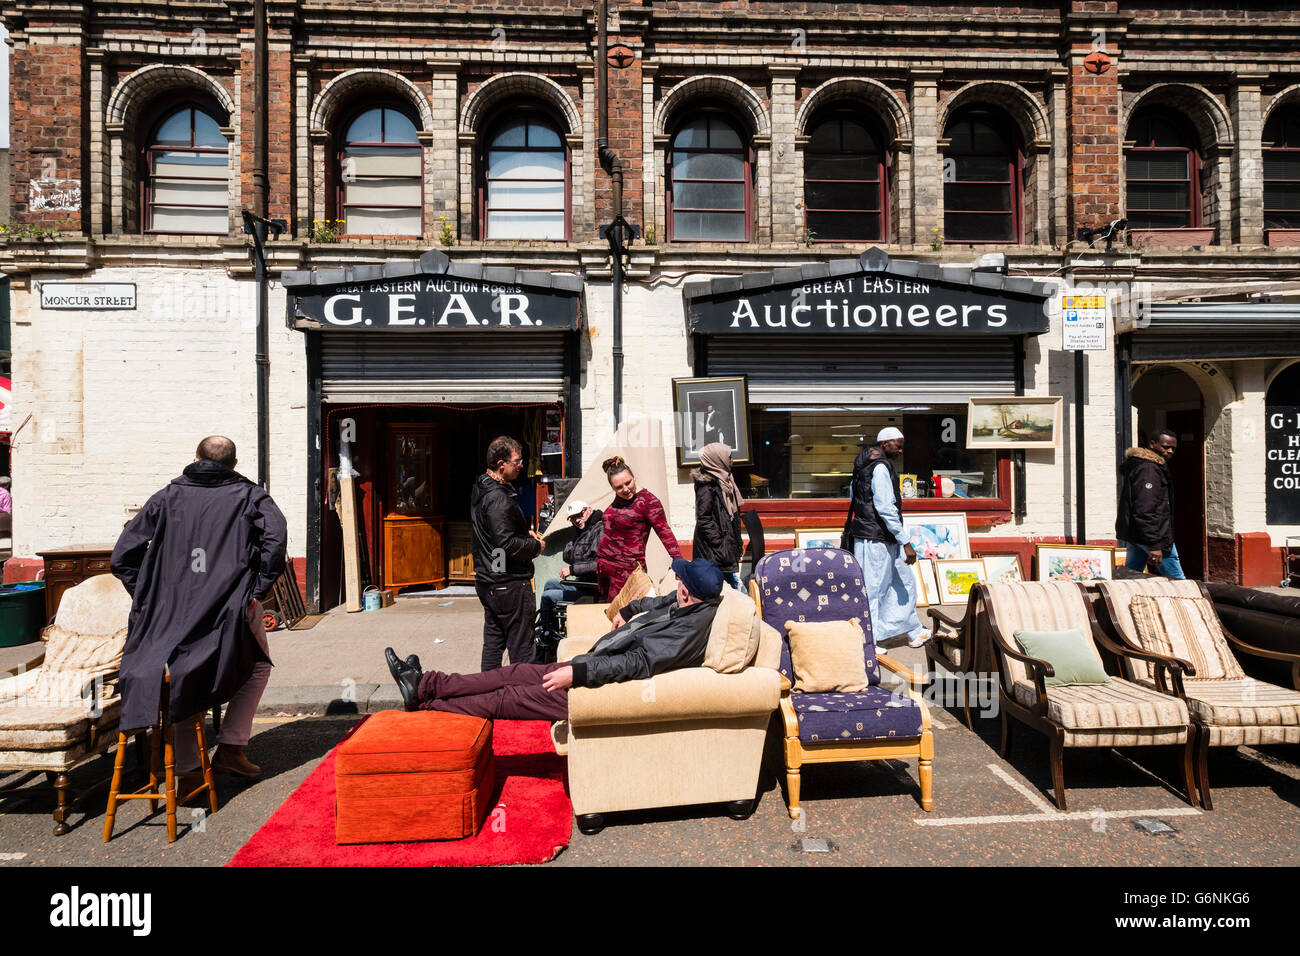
(957, 577)
(1013, 421)
(1003, 568)
(938, 536)
(1075, 562)
(821, 538)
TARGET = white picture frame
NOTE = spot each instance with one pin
(937, 536)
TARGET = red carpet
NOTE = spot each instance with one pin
(532, 818)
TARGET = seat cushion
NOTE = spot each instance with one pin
(1118, 714)
(1186, 628)
(1245, 712)
(872, 714)
(25, 725)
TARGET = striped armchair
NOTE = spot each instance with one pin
(1124, 713)
(1228, 709)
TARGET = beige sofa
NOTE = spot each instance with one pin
(685, 737)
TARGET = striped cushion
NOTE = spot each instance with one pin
(1036, 606)
(1118, 714)
(1121, 593)
(1246, 711)
(1186, 628)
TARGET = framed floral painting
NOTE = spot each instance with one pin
(1074, 562)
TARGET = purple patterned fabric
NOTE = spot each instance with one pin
(873, 714)
(815, 584)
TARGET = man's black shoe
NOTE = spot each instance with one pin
(407, 674)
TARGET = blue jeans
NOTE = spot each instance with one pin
(1170, 567)
(554, 591)
(732, 578)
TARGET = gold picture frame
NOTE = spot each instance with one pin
(956, 577)
(1014, 421)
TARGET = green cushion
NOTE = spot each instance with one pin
(1069, 654)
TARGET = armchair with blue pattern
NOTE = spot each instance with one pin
(826, 584)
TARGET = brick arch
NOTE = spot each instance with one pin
(1287, 98)
(148, 81)
(506, 85)
(325, 109)
(1021, 106)
(724, 87)
(859, 89)
(1206, 114)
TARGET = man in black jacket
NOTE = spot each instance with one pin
(661, 634)
(580, 556)
(1146, 507)
(504, 548)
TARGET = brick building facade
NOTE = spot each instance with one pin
(956, 131)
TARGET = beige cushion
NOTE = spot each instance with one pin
(734, 636)
(637, 586)
(769, 646)
(1186, 628)
(98, 605)
(1245, 711)
(1118, 714)
(42, 727)
(827, 656)
(74, 660)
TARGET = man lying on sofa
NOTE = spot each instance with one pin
(661, 634)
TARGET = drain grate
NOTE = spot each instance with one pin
(814, 845)
(1153, 827)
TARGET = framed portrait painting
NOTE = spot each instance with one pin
(1075, 562)
(708, 410)
(937, 536)
(1013, 421)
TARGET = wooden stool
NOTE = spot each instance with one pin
(162, 752)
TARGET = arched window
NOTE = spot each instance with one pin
(1163, 173)
(187, 181)
(709, 191)
(1282, 171)
(983, 167)
(845, 194)
(381, 182)
(524, 178)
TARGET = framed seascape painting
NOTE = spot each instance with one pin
(708, 410)
(938, 536)
(1013, 421)
(1003, 568)
(1075, 562)
(957, 577)
(821, 538)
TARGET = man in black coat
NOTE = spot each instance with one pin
(580, 556)
(504, 549)
(1146, 507)
(195, 560)
(661, 634)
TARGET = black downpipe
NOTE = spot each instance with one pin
(614, 232)
(260, 197)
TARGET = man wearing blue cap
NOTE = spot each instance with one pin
(661, 634)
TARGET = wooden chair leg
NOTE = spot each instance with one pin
(155, 763)
(61, 809)
(205, 763)
(1058, 768)
(793, 762)
(1189, 767)
(118, 761)
(169, 766)
(925, 771)
(1203, 761)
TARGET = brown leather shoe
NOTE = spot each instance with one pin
(231, 760)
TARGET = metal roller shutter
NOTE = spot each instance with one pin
(445, 367)
(875, 370)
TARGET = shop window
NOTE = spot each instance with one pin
(381, 183)
(709, 189)
(187, 182)
(1163, 173)
(524, 179)
(982, 179)
(808, 453)
(1282, 171)
(845, 191)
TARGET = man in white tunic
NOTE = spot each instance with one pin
(880, 543)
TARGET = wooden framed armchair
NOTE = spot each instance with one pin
(65, 712)
(1229, 709)
(826, 584)
(1120, 714)
(955, 645)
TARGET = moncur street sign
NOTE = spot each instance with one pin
(433, 295)
(872, 294)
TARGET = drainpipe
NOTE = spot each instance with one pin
(261, 188)
(614, 232)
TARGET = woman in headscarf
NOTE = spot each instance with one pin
(717, 511)
(628, 521)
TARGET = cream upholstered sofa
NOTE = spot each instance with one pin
(684, 737)
(65, 711)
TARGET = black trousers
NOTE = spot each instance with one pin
(508, 612)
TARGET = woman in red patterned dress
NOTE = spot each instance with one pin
(628, 522)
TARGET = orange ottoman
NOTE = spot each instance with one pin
(403, 777)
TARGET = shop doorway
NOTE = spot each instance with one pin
(1167, 397)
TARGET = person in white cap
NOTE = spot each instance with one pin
(880, 543)
(580, 555)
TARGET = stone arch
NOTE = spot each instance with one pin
(507, 85)
(148, 81)
(872, 92)
(328, 101)
(1277, 370)
(1206, 114)
(723, 87)
(1285, 98)
(1029, 115)
(1213, 380)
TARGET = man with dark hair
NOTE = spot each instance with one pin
(196, 560)
(1146, 507)
(662, 634)
(504, 548)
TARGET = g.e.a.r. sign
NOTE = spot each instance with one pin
(1282, 464)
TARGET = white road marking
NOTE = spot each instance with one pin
(935, 725)
(1057, 817)
(1037, 799)
(13, 856)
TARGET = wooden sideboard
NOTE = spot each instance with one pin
(68, 567)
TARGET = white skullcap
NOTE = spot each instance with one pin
(888, 433)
